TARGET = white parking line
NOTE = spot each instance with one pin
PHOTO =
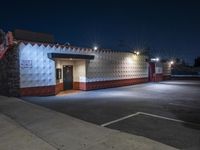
(120, 119)
(171, 119)
(182, 105)
(147, 114)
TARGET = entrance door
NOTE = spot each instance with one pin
(68, 77)
(151, 71)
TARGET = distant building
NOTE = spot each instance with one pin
(34, 64)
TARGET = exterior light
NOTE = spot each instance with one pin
(155, 59)
(137, 52)
(95, 48)
(171, 62)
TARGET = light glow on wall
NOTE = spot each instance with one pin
(130, 60)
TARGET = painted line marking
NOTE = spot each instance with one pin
(170, 119)
(147, 114)
(120, 119)
(184, 105)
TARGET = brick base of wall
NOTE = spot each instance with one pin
(55, 89)
(157, 78)
(167, 77)
(58, 88)
(80, 86)
(113, 83)
(38, 91)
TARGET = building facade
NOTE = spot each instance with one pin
(45, 68)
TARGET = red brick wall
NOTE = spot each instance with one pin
(79, 86)
(38, 91)
(76, 85)
(168, 77)
(58, 88)
(112, 83)
(53, 90)
(158, 77)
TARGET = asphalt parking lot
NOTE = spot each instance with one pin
(168, 112)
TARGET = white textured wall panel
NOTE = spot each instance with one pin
(80, 71)
(35, 68)
(166, 68)
(115, 66)
(159, 68)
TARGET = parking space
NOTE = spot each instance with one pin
(163, 130)
(168, 112)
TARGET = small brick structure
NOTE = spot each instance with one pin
(9, 74)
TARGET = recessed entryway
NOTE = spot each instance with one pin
(67, 92)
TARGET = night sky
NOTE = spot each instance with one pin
(169, 28)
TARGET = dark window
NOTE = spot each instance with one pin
(58, 73)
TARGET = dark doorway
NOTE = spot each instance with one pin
(151, 71)
(68, 77)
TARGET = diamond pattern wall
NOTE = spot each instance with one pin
(36, 69)
(116, 66)
(166, 68)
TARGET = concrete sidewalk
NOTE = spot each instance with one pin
(27, 126)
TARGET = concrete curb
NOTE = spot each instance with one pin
(60, 131)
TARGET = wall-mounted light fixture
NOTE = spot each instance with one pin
(155, 59)
(137, 53)
(95, 48)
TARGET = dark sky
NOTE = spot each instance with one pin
(169, 28)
